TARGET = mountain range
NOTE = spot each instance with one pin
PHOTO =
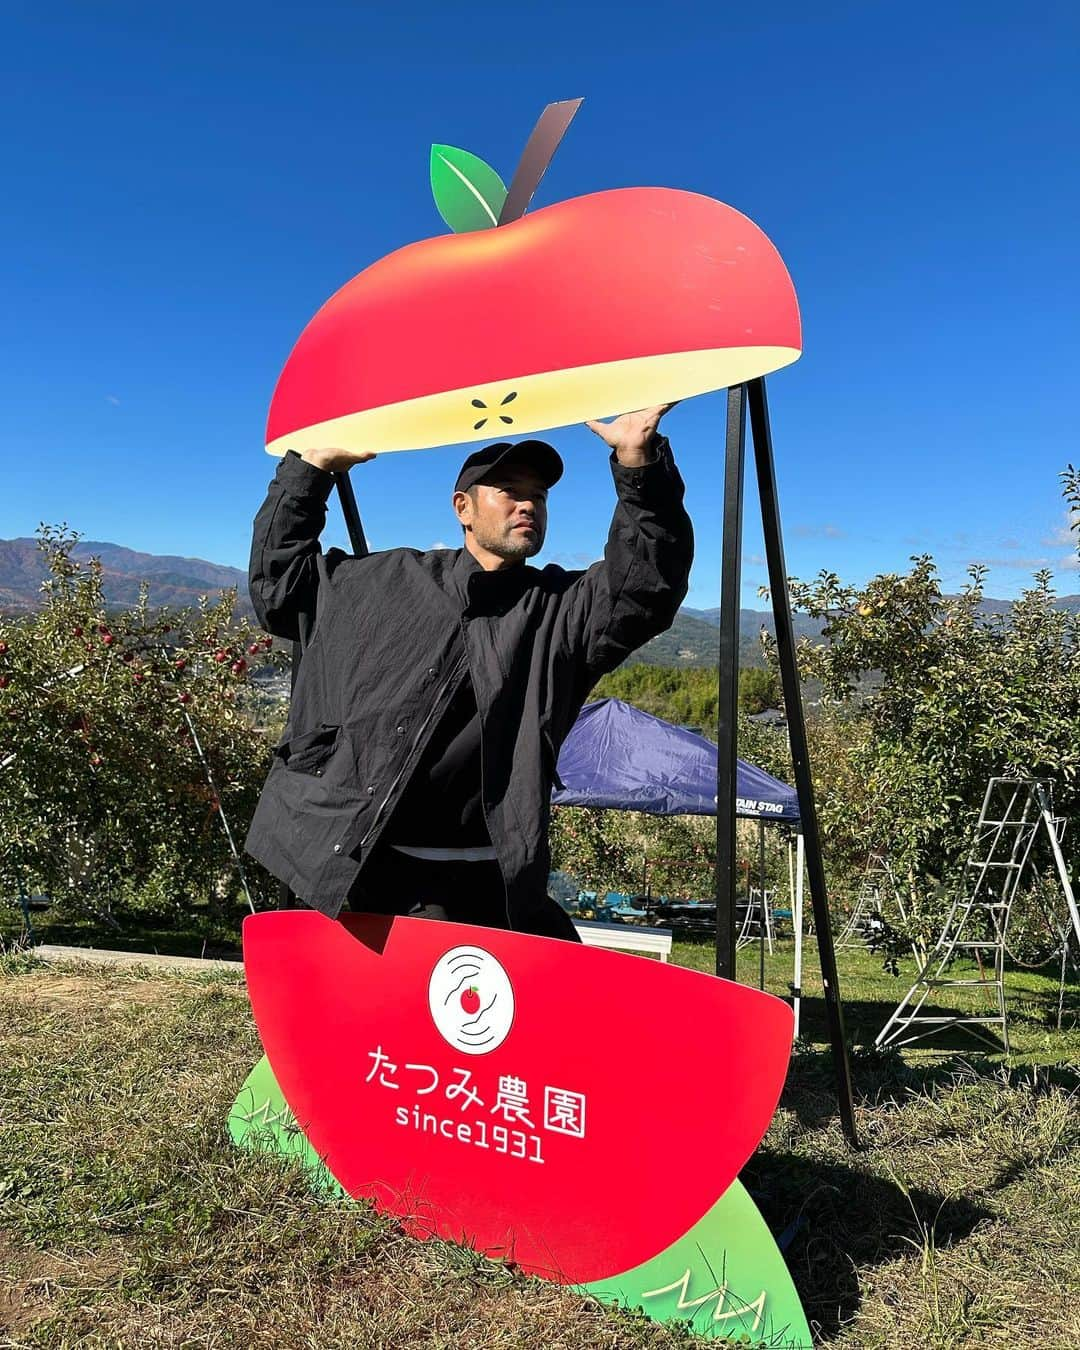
(175, 582)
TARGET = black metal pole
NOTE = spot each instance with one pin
(358, 541)
(728, 682)
(352, 515)
(285, 897)
(763, 927)
(761, 435)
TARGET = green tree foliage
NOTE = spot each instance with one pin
(958, 695)
(759, 688)
(1070, 479)
(688, 697)
(607, 851)
(105, 800)
(684, 697)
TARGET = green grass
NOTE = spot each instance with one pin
(128, 1219)
(869, 995)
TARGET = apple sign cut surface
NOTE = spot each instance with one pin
(506, 1146)
(587, 308)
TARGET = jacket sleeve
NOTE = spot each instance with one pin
(284, 571)
(635, 592)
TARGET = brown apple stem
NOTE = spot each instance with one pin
(537, 155)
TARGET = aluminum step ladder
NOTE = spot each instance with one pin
(977, 923)
(878, 896)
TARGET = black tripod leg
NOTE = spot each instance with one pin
(728, 682)
(761, 436)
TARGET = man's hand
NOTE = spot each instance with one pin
(336, 461)
(631, 435)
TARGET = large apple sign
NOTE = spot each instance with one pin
(615, 300)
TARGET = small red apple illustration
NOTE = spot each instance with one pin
(470, 1000)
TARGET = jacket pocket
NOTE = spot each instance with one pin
(310, 752)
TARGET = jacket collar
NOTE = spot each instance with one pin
(485, 591)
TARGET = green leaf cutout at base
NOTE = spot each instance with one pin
(725, 1278)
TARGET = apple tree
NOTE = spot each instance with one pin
(121, 732)
(933, 695)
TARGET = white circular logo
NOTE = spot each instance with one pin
(471, 1000)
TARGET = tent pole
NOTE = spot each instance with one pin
(359, 547)
(728, 682)
(761, 436)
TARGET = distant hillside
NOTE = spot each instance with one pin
(692, 641)
(174, 582)
(751, 622)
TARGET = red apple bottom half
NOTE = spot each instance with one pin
(511, 1093)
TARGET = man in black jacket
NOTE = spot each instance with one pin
(436, 688)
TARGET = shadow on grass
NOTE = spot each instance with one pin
(842, 1221)
(211, 940)
(864, 1018)
(885, 1078)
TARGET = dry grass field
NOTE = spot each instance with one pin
(128, 1219)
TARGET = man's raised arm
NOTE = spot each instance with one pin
(283, 574)
(634, 594)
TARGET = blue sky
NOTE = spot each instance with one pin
(185, 185)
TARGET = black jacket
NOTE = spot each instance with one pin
(380, 637)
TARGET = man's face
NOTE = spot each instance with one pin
(507, 512)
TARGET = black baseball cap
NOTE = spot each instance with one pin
(538, 455)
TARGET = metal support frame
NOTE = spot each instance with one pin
(727, 711)
(800, 754)
(752, 396)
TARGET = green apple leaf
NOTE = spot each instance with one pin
(468, 192)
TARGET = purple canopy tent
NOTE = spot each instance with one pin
(619, 758)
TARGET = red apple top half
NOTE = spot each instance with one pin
(588, 308)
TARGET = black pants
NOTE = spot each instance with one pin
(462, 892)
